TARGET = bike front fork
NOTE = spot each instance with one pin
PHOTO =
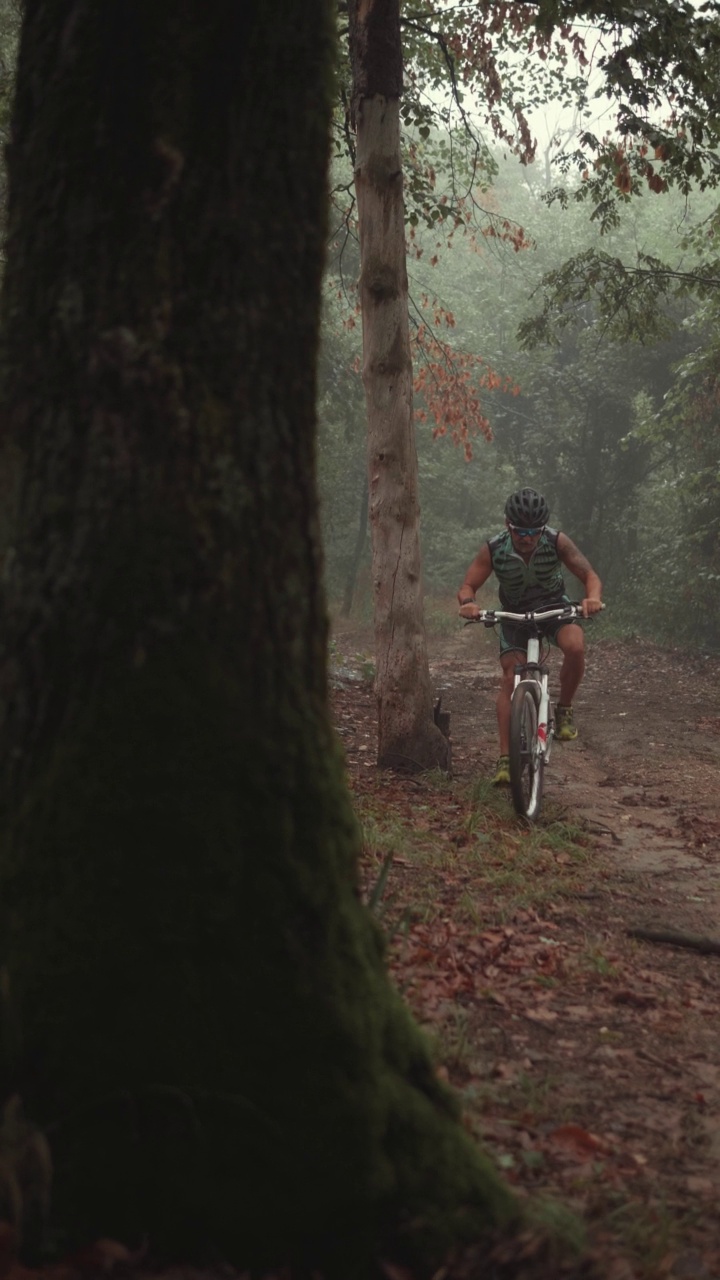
(546, 723)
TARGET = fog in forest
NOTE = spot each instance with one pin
(557, 342)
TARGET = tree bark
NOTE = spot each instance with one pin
(207, 1036)
(407, 735)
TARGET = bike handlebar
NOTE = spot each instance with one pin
(490, 616)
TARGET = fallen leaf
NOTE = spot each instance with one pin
(700, 1186)
(577, 1141)
(541, 1014)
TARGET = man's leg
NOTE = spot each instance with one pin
(570, 639)
(508, 661)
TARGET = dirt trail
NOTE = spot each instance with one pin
(644, 772)
(624, 1053)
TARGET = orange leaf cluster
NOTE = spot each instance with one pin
(449, 383)
(618, 159)
(509, 232)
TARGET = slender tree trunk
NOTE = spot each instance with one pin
(207, 1034)
(407, 734)
(351, 577)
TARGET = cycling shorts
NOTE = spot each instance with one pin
(513, 635)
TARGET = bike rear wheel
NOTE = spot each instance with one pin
(526, 757)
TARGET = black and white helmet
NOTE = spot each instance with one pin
(527, 508)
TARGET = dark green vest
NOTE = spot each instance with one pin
(527, 586)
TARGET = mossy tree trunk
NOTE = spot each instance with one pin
(207, 1034)
(408, 738)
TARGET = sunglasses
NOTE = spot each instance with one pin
(527, 533)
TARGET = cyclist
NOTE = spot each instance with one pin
(527, 560)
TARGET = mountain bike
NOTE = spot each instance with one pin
(531, 718)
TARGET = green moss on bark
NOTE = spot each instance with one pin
(210, 1039)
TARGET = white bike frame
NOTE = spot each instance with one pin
(533, 671)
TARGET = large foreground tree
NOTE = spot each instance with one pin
(198, 1016)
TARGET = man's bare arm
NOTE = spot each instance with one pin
(580, 566)
(476, 576)
(478, 573)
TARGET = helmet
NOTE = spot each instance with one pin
(527, 509)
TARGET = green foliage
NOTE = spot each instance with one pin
(688, 428)
(591, 333)
(584, 426)
(660, 65)
(627, 301)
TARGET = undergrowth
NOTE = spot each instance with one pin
(467, 835)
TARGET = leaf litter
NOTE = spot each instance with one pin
(586, 1060)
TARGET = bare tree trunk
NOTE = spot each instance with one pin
(407, 734)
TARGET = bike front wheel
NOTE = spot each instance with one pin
(526, 753)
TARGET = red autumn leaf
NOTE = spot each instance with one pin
(623, 181)
(577, 1141)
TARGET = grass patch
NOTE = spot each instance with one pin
(650, 1232)
(517, 864)
(596, 962)
(440, 843)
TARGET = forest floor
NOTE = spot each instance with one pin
(587, 1059)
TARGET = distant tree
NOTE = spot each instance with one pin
(408, 736)
(207, 1037)
(688, 429)
(342, 450)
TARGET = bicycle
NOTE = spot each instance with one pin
(531, 718)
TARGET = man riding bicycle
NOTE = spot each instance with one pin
(527, 559)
